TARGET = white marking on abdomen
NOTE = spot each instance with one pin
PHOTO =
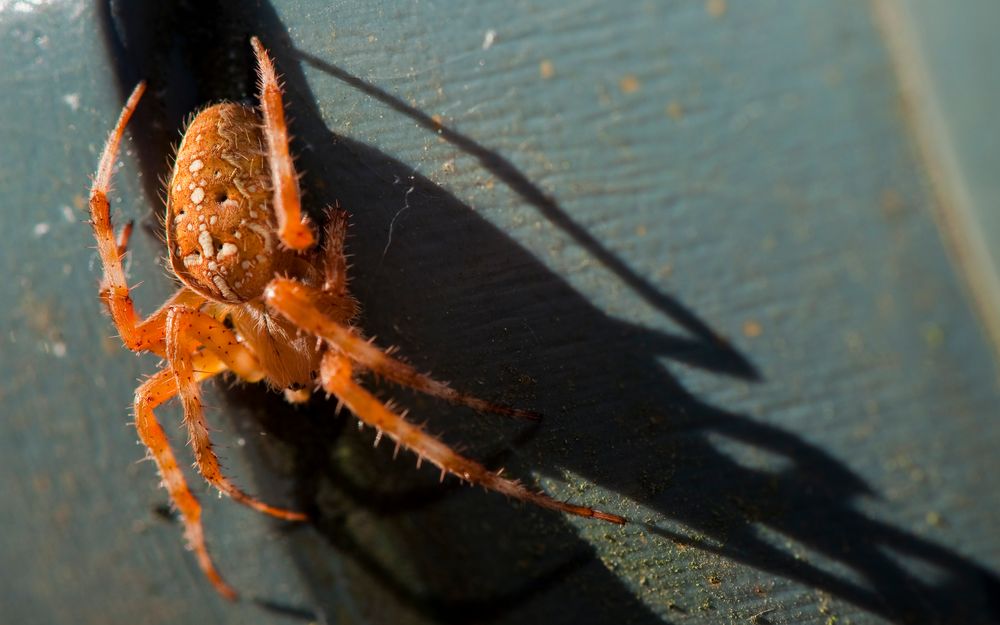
(220, 283)
(228, 249)
(205, 240)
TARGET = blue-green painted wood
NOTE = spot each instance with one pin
(698, 237)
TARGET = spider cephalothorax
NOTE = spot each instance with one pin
(245, 254)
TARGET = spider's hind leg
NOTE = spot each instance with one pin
(338, 380)
(303, 305)
(299, 303)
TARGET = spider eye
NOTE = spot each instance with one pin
(221, 196)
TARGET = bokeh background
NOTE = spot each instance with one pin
(739, 253)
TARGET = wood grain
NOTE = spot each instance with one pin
(696, 236)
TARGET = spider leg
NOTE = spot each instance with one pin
(293, 230)
(124, 235)
(148, 333)
(185, 329)
(297, 302)
(334, 257)
(137, 334)
(336, 301)
(337, 379)
(148, 396)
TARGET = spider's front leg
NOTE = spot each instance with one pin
(293, 230)
(186, 328)
(137, 334)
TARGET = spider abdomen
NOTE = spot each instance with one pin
(220, 223)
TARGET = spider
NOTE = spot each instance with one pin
(262, 296)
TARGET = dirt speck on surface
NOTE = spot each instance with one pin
(752, 329)
(891, 203)
(629, 83)
(716, 8)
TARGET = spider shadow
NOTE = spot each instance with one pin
(615, 416)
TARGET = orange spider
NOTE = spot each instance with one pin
(259, 298)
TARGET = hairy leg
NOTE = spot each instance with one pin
(186, 328)
(292, 227)
(298, 303)
(337, 379)
(337, 300)
(334, 253)
(148, 396)
(137, 334)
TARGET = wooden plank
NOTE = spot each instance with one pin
(696, 236)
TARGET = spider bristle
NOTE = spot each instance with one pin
(395, 452)
(378, 438)
(187, 122)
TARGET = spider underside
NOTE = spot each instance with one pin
(262, 297)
